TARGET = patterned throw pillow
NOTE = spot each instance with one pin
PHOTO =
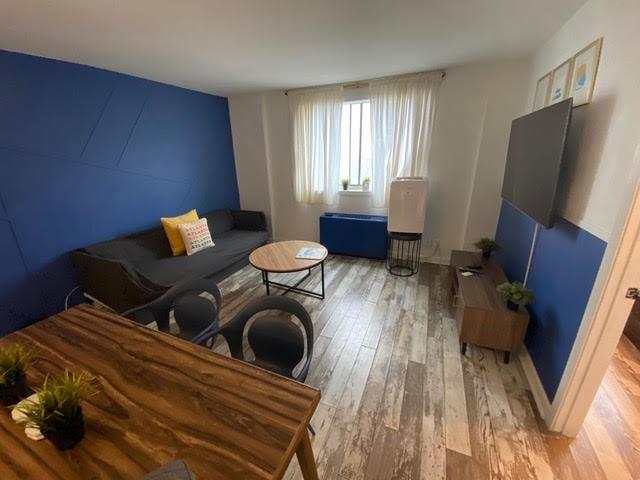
(196, 236)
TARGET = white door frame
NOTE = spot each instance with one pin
(603, 323)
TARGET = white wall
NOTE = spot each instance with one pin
(251, 170)
(477, 104)
(606, 132)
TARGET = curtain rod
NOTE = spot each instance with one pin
(365, 83)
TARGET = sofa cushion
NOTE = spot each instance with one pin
(219, 222)
(148, 244)
(231, 247)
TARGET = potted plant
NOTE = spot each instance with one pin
(366, 184)
(14, 361)
(57, 411)
(487, 245)
(345, 184)
(515, 294)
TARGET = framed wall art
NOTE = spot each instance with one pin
(585, 69)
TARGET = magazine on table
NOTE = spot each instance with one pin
(308, 253)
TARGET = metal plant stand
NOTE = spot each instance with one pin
(403, 257)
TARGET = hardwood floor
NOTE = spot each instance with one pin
(399, 401)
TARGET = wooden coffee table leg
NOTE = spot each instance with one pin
(305, 458)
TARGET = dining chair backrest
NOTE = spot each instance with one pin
(195, 314)
(276, 341)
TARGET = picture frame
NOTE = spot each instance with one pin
(543, 89)
(585, 71)
(561, 82)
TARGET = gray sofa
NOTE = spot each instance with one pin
(133, 270)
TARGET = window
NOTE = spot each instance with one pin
(355, 156)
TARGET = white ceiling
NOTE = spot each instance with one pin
(233, 46)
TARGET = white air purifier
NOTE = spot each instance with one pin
(407, 205)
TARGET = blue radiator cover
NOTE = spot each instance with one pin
(355, 235)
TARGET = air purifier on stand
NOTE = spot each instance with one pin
(407, 209)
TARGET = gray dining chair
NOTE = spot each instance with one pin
(277, 343)
(195, 314)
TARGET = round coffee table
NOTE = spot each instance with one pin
(280, 257)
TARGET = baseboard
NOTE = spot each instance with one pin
(539, 395)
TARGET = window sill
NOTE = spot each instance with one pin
(354, 192)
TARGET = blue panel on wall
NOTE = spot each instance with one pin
(514, 235)
(19, 296)
(563, 270)
(176, 133)
(113, 203)
(47, 106)
(109, 139)
(87, 155)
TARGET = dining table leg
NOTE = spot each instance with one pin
(305, 458)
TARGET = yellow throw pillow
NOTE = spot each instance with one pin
(170, 225)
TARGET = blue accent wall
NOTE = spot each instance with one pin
(514, 235)
(87, 155)
(563, 270)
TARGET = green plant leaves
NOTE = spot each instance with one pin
(14, 361)
(58, 400)
(515, 292)
(487, 245)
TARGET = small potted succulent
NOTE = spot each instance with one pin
(487, 245)
(14, 361)
(57, 412)
(366, 184)
(345, 184)
(515, 294)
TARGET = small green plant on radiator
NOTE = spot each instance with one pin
(515, 294)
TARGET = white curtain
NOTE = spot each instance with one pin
(315, 123)
(402, 116)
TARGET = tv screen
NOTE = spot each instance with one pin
(534, 159)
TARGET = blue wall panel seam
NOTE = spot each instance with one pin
(104, 108)
(3, 207)
(64, 159)
(17, 242)
(133, 129)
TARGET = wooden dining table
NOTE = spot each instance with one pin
(159, 398)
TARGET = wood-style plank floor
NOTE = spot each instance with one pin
(399, 401)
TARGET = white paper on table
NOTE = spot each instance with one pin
(30, 430)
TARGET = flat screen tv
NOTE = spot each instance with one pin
(534, 160)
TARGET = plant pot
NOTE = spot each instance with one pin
(512, 306)
(486, 254)
(66, 433)
(345, 188)
(365, 187)
(12, 394)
